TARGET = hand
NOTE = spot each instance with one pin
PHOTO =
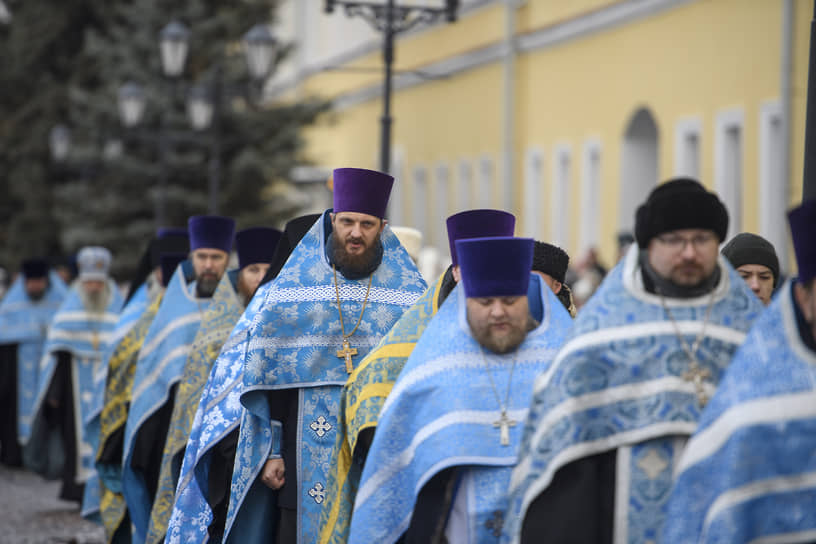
(272, 474)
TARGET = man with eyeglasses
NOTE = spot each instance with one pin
(611, 416)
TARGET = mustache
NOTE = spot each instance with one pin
(354, 240)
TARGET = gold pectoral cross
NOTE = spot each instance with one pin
(697, 375)
(504, 423)
(95, 340)
(346, 354)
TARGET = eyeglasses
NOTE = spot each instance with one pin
(678, 243)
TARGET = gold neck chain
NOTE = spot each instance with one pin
(695, 374)
(347, 350)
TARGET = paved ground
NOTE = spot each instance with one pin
(31, 513)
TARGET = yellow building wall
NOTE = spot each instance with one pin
(693, 60)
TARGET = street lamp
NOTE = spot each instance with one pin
(390, 18)
(174, 43)
(259, 45)
(131, 104)
(5, 14)
(59, 140)
(200, 108)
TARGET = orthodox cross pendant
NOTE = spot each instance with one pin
(504, 423)
(346, 354)
(95, 341)
(697, 375)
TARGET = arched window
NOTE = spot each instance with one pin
(639, 165)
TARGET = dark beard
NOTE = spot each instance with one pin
(205, 287)
(354, 267)
(36, 296)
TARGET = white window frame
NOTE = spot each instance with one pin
(441, 200)
(591, 193)
(684, 129)
(464, 185)
(483, 195)
(727, 120)
(560, 201)
(419, 175)
(533, 191)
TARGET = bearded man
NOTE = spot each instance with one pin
(25, 312)
(200, 508)
(747, 474)
(447, 436)
(755, 259)
(255, 248)
(343, 288)
(612, 415)
(160, 365)
(71, 373)
(369, 385)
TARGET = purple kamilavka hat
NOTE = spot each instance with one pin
(211, 231)
(803, 229)
(362, 191)
(478, 224)
(495, 267)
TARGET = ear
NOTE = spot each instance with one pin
(557, 285)
(802, 297)
(383, 223)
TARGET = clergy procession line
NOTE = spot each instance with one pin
(322, 392)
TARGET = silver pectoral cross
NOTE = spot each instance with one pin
(697, 375)
(504, 423)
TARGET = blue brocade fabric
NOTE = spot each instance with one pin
(25, 323)
(292, 344)
(618, 384)
(749, 472)
(442, 413)
(159, 367)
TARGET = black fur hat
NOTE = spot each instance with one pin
(680, 203)
(550, 260)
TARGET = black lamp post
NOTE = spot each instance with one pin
(390, 18)
(809, 174)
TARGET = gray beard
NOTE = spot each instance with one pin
(97, 302)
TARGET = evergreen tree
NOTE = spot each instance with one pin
(106, 193)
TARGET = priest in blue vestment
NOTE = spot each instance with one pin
(369, 385)
(448, 434)
(749, 472)
(202, 495)
(345, 285)
(255, 247)
(610, 418)
(161, 362)
(25, 312)
(71, 372)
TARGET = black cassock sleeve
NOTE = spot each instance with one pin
(283, 406)
(578, 505)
